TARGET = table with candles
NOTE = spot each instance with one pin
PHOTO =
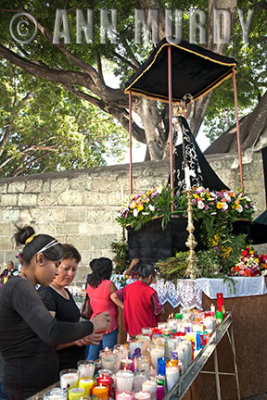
(158, 364)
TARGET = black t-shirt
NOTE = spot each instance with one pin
(28, 336)
(66, 310)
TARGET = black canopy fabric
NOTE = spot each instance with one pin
(195, 70)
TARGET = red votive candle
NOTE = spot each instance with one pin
(220, 301)
(105, 380)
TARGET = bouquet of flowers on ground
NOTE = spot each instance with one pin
(250, 263)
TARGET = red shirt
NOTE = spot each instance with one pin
(138, 310)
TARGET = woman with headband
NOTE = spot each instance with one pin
(28, 332)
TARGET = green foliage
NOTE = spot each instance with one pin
(50, 129)
(121, 258)
(173, 268)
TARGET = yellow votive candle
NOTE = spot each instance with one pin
(87, 384)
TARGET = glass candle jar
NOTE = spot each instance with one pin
(87, 384)
(76, 393)
(150, 386)
(142, 396)
(86, 368)
(172, 376)
(107, 359)
(124, 381)
(56, 394)
(155, 353)
(68, 378)
(100, 392)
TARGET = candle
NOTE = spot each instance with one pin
(87, 384)
(142, 364)
(134, 348)
(124, 396)
(138, 381)
(150, 386)
(55, 394)
(123, 350)
(76, 393)
(68, 378)
(162, 366)
(156, 352)
(124, 381)
(128, 364)
(187, 177)
(86, 368)
(105, 380)
(172, 376)
(100, 392)
(105, 372)
(108, 361)
(160, 392)
(142, 396)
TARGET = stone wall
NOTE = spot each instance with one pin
(80, 207)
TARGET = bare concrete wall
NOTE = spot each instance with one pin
(80, 207)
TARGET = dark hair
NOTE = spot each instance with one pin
(102, 269)
(71, 252)
(53, 253)
(145, 270)
(10, 262)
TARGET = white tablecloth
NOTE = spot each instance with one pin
(188, 293)
(243, 286)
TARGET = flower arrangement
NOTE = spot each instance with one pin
(211, 207)
(142, 208)
(250, 263)
(218, 210)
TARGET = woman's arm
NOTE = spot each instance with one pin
(28, 304)
(116, 299)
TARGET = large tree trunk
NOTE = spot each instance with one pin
(113, 101)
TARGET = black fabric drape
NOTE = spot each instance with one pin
(201, 172)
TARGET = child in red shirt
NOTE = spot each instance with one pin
(140, 303)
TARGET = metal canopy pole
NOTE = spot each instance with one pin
(170, 120)
(238, 133)
(130, 142)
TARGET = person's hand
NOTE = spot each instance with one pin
(90, 339)
(101, 322)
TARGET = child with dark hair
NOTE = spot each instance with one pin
(28, 332)
(99, 288)
(140, 303)
(59, 301)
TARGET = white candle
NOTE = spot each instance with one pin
(142, 396)
(156, 352)
(187, 177)
(86, 369)
(68, 380)
(124, 381)
(172, 376)
(108, 362)
(124, 396)
(138, 381)
(55, 394)
(150, 386)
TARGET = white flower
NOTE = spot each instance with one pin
(226, 196)
(135, 212)
(240, 209)
(225, 206)
(159, 189)
(200, 205)
(151, 208)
